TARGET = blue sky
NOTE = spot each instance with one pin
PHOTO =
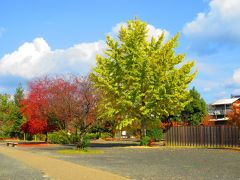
(44, 37)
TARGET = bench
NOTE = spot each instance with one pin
(13, 144)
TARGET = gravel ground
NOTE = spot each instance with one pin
(156, 163)
(56, 168)
(10, 169)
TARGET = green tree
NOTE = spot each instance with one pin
(141, 80)
(16, 114)
(196, 110)
(5, 111)
(11, 117)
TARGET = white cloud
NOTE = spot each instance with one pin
(36, 58)
(155, 32)
(236, 76)
(218, 27)
(152, 31)
(33, 59)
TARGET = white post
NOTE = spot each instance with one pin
(225, 111)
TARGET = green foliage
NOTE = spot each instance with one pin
(63, 137)
(196, 110)
(11, 117)
(3, 136)
(85, 142)
(98, 127)
(29, 137)
(141, 79)
(60, 137)
(92, 135)
(18, 96)
(156, 134)
(6, 107)
(105, 135)
(145, 141)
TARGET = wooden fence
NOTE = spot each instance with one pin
(209, 136)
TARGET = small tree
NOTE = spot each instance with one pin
(60, 103)
(84, 109)
(141, 80)
(234, 115)
(16, 114)
(196, 110)
(35, 108)
(6, 106)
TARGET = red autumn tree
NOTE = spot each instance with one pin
(234, 115)
(60, 103)
(34, 126)
(84, 107)
(35, 108)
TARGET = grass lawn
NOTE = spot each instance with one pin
(76, 151)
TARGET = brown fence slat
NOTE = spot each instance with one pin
(212, 136)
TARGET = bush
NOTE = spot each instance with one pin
(2, 136)
(92, 135)
(156, 134)
(105, 135)
(85, 142)
(145, 141)
(60, 137)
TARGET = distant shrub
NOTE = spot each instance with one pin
(92, 135)
(85, 142)
(105, 135)
(2, 136)
(145, 141)
(60, 137)
(156, 134)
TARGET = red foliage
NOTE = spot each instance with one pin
(34, 108)
(166, 125)
(34, 126)
(58, 103)
(234, 115)
(206, 121)
(34, 145)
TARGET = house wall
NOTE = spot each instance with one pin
(218, 113)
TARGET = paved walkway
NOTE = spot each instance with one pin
(58, 169)
(10, 169)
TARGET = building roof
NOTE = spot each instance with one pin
(225, 101)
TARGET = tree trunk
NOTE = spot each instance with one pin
(113, 133)
(46, 138)
(143, 129)
(143, 122)
(80, 143)
(76, 132)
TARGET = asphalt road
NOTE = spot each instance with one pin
(158, 163)
(10, 169)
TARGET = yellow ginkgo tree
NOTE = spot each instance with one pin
(141, 79)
